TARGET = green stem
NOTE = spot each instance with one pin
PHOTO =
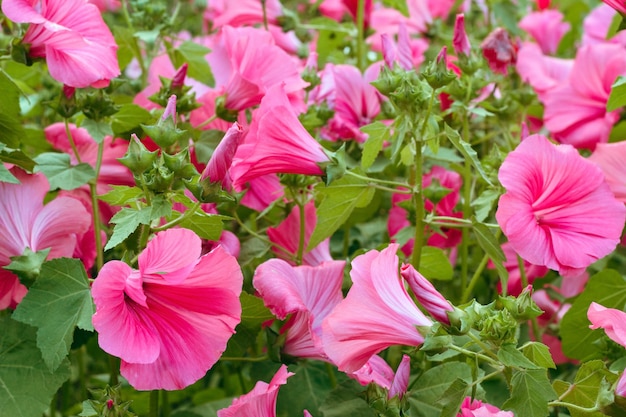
(418, 202)
(331, 375)
(483, 346)
(165, 406)
(470, 353)
(242, 359)
(206, 122)
(574, 406)
(154, 403)
(179, 219)
(467, 189)
(360, 37)
(68, 133)
(381, 181)
(524, 280)
(95, 208)
(278, 247)
(474, 280)
(113, 370)
(129, 23)
(300, 253)
(264, 7)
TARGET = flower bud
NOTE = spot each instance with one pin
(499, 50)
(219, 164)
(460, 41)
(178, 80)
(432, 301)
(437, 73)
(137, 158)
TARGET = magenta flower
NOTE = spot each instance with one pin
(610, 158)
(276, 143)
(476, 408)
(460, 41)
(499, 50)
(26, 223)
(70, 34)
(222, 158)
(308, 293)
(261, 401)
(557, 211)
(170, 320)
(287, 236)
(619, 5)
(377, 313)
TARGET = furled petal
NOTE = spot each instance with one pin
(172, 256)
(611, 320)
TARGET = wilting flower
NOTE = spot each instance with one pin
(499, 50)
(308, 293)
(287, 236)
(71, 35)
(476, 408)
(26, 223)
(170, 320)
(610, 158)
(377, 313)
(276, 143)
(557, 211)
(261, 401)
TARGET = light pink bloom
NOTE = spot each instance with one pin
(71, 35)
(610, 158)
(619, 5)
(170, 320)
(499, 51)
(542, 72)
(514, 285)
(261, 192)
(596, 27)
(276, 143)
(476, 408)
(261, 401)
(376, 370)
(308, 293)
(440, 8)
(222, 158)
(613, 322)
(426, 294)
(106, 5)
(575, 111)
(241, 13)
(26, 223)
(377, 313)
(546, 27)
(557, 211)
(460, 41)
(620, 389)
(287, 236)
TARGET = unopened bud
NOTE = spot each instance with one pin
(460, 41)
(137, 158)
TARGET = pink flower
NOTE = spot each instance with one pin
(610, 158)
(377, 313)
(613, 322)
(460, 41)
(499, 50)
(542, 72)
(575, 111)
(557, 211)
(71, 35)
(26, 223)
(426, 294)
(276, 143)
(308, 293)
(476, 408)
(170, 320)
(261, 401)
(620, 389)
(596, 27)
(376, 370)
(287, 236)
(222, 158)
(546, 27)
(619, 5)
(261, 192)
(401, 53)
(514, 285)
(243, 12)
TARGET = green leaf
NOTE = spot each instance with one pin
(16, 157)
(399, 5)
(588, 387)
(484, 203)
(121, 195)
(510, 356)
(346, 400)
(97, 130)
(253, 311)
(607, 288)
(126, 222)
(10, 119)
(127, 45)
(207, 226)
(434, 264)
(338, 201)
(430, 387)
(27, 266)
(26, 384)
(129, 117)
(617, 98)
(506, 12)
(194, 55)
(377, 133)
(530, 393)
(539, 354)
(490, 245)
(452, 399)
(467, 151)
(6, 176)
(61, 173)
(307, 389)
(58, 301)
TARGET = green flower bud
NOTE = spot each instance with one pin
(138, 158)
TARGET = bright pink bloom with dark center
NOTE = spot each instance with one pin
(71, 35)
(377, 313)
(26, 223)
(558, 211)
(170, 320)
(261, 401)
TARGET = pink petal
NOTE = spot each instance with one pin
(171, 255)
(611, 320)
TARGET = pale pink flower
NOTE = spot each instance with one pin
(476, 408)
(26, 223)
(377, 313)
(426, 293)
(261, 401)
(242, 12)
(546, 27)
(222, 158)
(557, 211)
(619, 5)
(460, 41)
(106, 5)
(575, 111)
(402, 52)
(287, 236)
(376, 370)
(613, 322)
(610, 158)
(596, 27)
(620, 389)
(170, 320)
(70, 34)
(276, 143)
(308, 293)
(542, 72)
